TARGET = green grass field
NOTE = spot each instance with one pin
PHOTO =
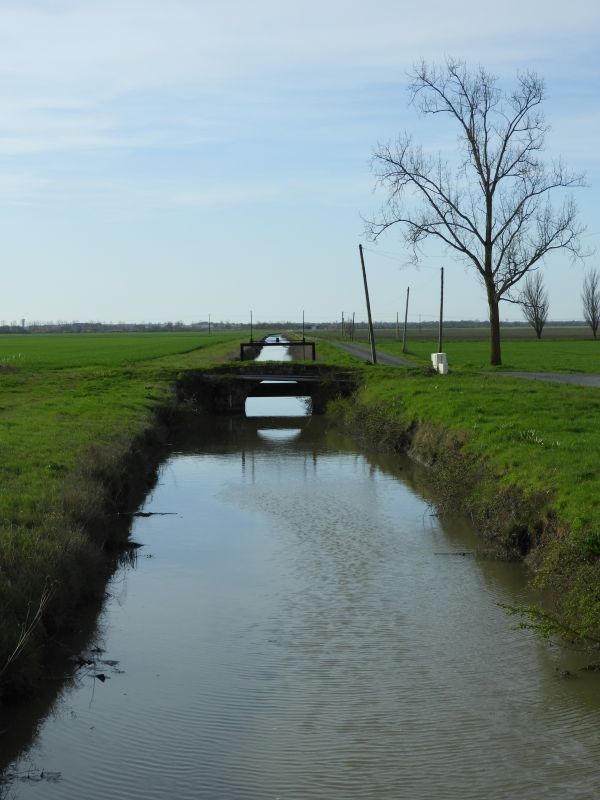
(69, 350)
(547, 355)
(469, 349)
(429, 333)
(60, 393)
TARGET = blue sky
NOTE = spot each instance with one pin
(167, 160)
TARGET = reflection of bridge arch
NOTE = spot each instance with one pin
(276, 436)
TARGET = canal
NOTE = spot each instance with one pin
(298, 623)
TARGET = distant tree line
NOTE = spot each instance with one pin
(591, 290)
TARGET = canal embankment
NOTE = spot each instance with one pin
(519, 459)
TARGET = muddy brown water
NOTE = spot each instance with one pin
(302, 626)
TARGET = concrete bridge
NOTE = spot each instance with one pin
(224, 390)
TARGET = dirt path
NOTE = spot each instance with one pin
(360, 351)
(556, 377)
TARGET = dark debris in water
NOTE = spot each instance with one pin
(82, 661)
(147, 513)
(90, 664)
(34, 776)
(43, 775)
(566, 673)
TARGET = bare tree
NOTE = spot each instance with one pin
(534, 302)
(590, 297)
(493, 210)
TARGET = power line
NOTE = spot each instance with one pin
(396, 258)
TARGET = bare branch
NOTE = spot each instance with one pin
(534, 302)
(493, 210)
(590, 297)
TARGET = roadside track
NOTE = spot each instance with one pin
(364, 353)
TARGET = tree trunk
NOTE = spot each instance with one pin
(495, 355)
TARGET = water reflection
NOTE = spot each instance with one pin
(277, 435)
(274, 353)
(278, 406)
(300, 406)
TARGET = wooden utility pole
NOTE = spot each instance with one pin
(303, 338)
(405, 320)
(371, 336)
(440, 334)
(342, 324)
(352, 333)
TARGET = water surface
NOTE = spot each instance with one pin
(302, 626)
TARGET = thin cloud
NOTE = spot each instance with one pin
(73, 57)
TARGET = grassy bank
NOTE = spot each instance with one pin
(521, 458)
(79, 415)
